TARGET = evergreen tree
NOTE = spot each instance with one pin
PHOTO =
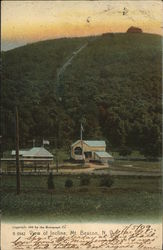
(50, 182)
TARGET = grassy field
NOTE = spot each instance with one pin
(128, 199)
(144, 166)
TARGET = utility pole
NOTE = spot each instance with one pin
(17, 153)
(56, 145)
(56, 155)
(81, 139)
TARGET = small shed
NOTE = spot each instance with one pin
(103, 157)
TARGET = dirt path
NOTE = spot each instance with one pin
(90, 169)
(97, 170)
(105, 169)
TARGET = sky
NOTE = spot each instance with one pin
(25, 22)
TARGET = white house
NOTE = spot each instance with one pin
(90, 150)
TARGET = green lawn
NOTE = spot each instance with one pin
(129, 198)
(133, 154)
(137, 165)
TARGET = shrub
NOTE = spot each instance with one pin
(50, 182)
(68, 183)
(83, 189)
(106, 182)
(84, 180)
(124, 151)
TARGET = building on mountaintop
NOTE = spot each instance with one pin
(133, 29)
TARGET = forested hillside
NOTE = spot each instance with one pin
(113, 85)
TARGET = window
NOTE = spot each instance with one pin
(78, 151)
(88, 154)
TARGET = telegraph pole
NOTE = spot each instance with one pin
(56, 155)
(17, 153)
(57, 144)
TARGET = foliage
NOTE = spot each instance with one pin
(106, 181)
(125, 151)
(145, 193)
(114, 83)
(50, 182)
(84, 180)
(68, 183)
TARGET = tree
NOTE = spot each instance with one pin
(106, 181)
(151, 140)
(50, 182)
(68, 183)
(50, 185)
(124, 151)
(84, 180)
(120, 99)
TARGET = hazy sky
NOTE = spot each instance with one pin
(29, 21)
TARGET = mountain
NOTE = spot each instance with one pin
(112, 83)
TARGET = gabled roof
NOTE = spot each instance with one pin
(37, 152)
(103, 154)
(95, 143)
(75, 143)
(34, 152)
(92, 143)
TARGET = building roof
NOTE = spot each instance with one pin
(92, 143)
(103, 154)
(95, 143)
(35, 152)
(21, 152)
